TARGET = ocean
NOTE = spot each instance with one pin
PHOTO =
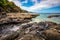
(43, 17)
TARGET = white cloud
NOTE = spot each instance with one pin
(43, 4)
(9, 0)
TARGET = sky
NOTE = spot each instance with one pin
(39, 6)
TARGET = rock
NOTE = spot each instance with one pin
(30, 37)
(51, 34)
(34, 26)
(9, 32)
(51, 16)
(16, 17)
(43, 26)
(10, 36)
(30, 31)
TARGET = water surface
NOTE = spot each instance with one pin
(43, 17)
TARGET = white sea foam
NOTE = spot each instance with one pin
(15, 28)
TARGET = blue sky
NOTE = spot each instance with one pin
(39, 6)
(49, 10)
(28, 4)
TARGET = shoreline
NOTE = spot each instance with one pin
(19, 29)
(16, 30)
(16, 17)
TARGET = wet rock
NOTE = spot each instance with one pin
(51, 16)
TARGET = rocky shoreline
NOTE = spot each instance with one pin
(24, 30)
(33, 31)
(16, 17)
(9, 22)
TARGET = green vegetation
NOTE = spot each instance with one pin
(6, 6)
